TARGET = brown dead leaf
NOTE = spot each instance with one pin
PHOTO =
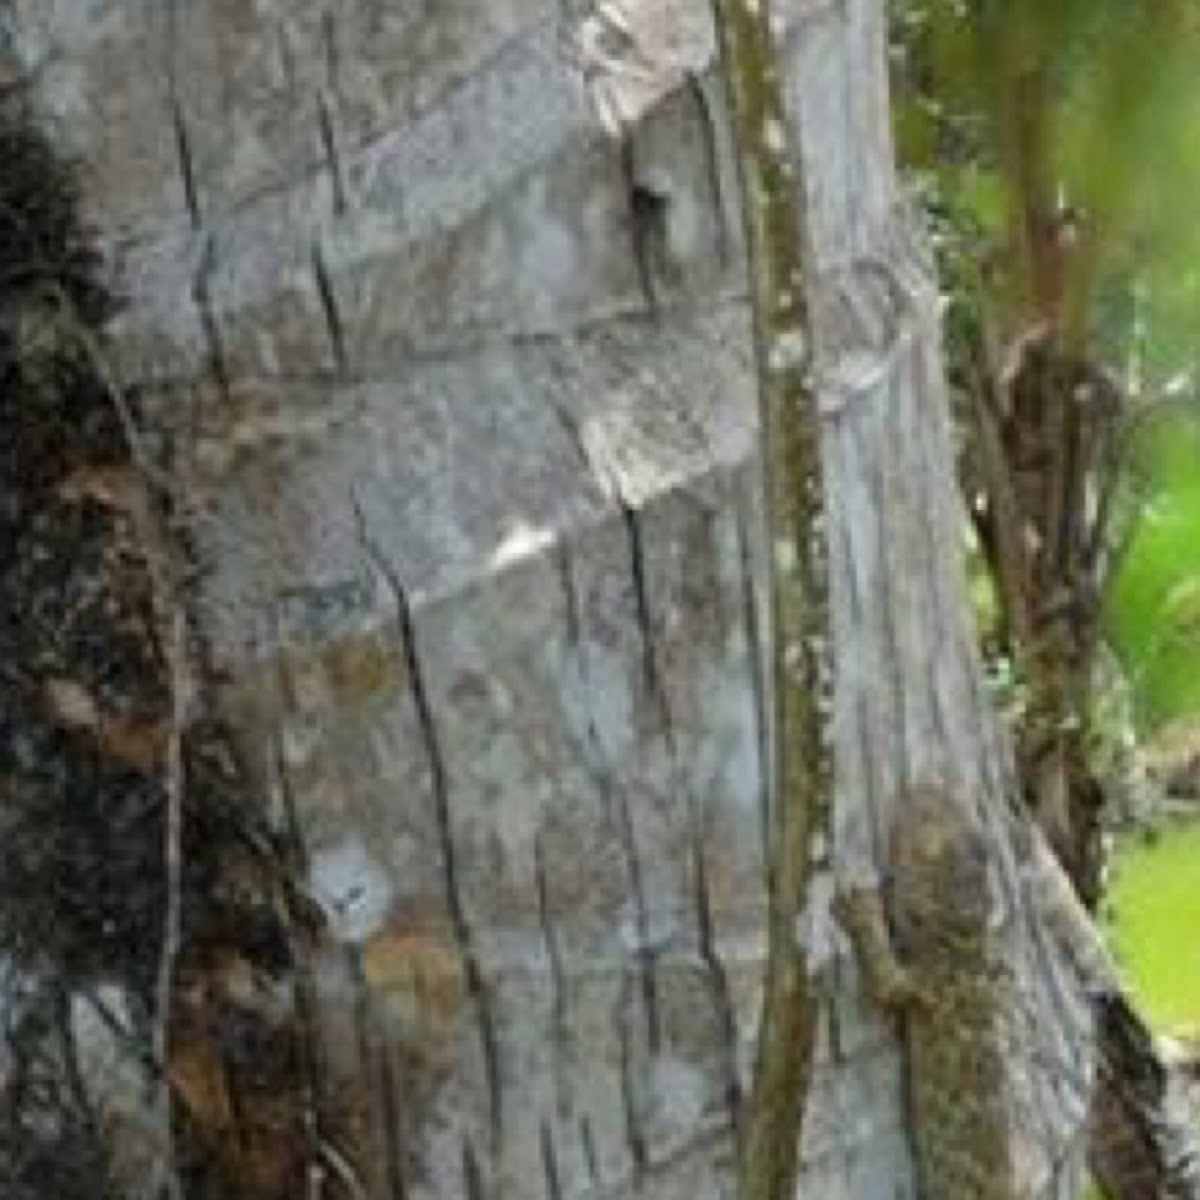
(140, 743)
(416, 978)
(115, 486)
(197, 1072)
(132, 741)
(71, 705)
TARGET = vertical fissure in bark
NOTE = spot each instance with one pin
(473, 1187)
(393, 1149)
(635, 1137)
(644, 951)
(588, 1141)
(706, 942)
(718, 982)
(645, 618)
(330, 309)
(549, 1156)
(615, 792)
(210, 326)
(712, 163)
(560, 1019)
(477, 986)
(187, 161)
(333, 155)
(752, 624)
(645, 214)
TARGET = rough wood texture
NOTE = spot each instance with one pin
(468, 382)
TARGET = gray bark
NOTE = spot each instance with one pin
(465, 371)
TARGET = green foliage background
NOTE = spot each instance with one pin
(1115, 126)
(1154, 603)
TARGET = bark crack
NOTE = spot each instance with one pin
(209, 324)
(719, 983)
(712, 156)
(186, 159)
(330, 308)
(616, 800)
(588, 1141)
(333, 156)
(477, 986)
(558, 983)
(635, 1139)
(550, 1170)
(472, 1175)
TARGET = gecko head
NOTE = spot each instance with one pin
(963, 874)
(942, 852)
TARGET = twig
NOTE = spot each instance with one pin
(180, 680)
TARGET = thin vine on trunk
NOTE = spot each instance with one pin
(801, 774)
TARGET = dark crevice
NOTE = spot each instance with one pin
(558, 983)
(477, 987)
(647, 219)
(472, 1175)
(617, 803)
(571, 613)
(330, 308)
(209, 325)
(645, 620)
(635, 1139)
(333, 58)
(712, 157)
(588, 1141)
(390, 1092)
(645, 952)
(718, 981)
(333, 157)
(658, 697)
(187, 162)
(550, 1164)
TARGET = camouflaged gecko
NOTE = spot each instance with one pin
(929, 957)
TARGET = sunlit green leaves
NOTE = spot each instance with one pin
(1011, 111)
(1025, 106)
(1154, 608)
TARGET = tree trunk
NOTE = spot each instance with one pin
(1047, 429)
(459, 381)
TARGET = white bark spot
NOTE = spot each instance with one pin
(351, 888)
(793, 656)
(775, 137)
(522, 542)
(785, 556)
(787, 351)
